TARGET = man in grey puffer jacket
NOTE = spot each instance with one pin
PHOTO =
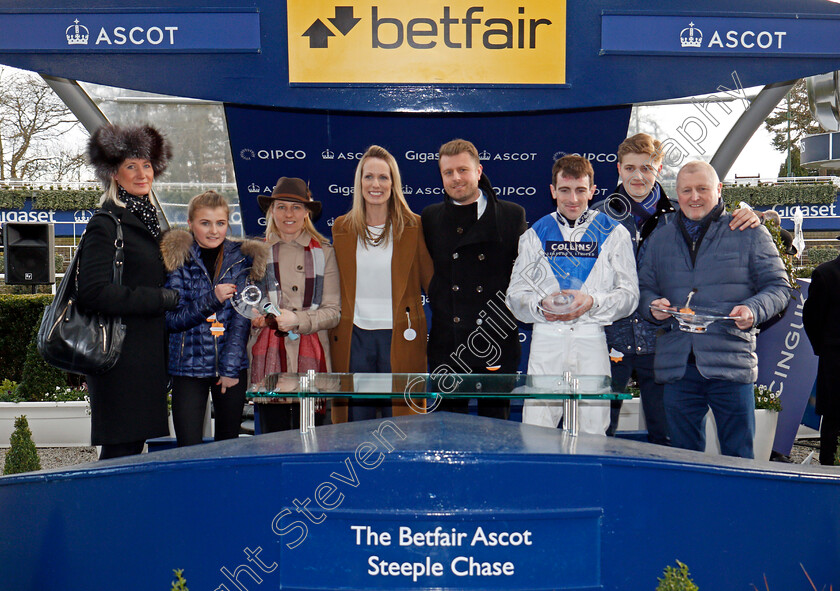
(736, 274)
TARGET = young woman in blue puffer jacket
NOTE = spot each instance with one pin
(207, 337)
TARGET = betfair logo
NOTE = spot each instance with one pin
(433, 42)
(343, 21)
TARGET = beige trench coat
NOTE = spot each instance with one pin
(292, 280)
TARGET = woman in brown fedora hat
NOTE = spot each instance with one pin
(384, 264)
(303, 269)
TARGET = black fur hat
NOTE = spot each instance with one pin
(110, 145)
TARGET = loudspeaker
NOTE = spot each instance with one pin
(29, 253)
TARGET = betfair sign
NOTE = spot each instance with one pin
(430, 42)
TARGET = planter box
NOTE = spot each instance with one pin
(53, 424)
(765, 433)
(632, 417)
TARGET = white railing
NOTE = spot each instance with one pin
(789, 180)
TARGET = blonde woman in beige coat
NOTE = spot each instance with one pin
(303, 269)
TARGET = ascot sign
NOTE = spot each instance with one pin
(702, 34)
(433, 42)
(86, 31)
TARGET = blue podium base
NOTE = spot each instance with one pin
(439, 501)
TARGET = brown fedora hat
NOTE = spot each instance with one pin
(290, 189)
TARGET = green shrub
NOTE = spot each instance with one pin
(180, 583)
(22, 455)
(38, 378)
(676, 579)
(8, 391)
(19, 314)
(821, 254)
(50, 198)
(782, 194)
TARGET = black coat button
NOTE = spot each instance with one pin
(459, 229)
(294, 288)
(300, 267)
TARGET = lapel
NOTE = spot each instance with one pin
(405, 250)
(344, 247)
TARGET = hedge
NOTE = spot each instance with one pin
(782, 194)
(19, 315)
(50, 198)
(821, 254)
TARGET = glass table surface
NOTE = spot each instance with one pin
(446, 385)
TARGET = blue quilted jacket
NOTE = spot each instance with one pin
(193, 350)
(731, 268)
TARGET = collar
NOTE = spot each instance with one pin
(481, 202)
(584, 217)
(302, 239)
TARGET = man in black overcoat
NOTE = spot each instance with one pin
(821, 317)
(473, 238)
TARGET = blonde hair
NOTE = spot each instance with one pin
(399, 213)
(272, 230)
(111, 195)
(209, 200)
(642, 143)
(459, 146)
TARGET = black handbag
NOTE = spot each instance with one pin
(74, 339)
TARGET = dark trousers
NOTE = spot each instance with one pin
(370, 352)
(119, 450)
(189, 403)
(653, 395)
(829, 432)
(733, 404)
(283, 416)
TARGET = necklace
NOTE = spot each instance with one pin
(375, 239)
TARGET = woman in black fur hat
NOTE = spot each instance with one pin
(128, 402)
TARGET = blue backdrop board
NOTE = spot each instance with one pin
(516, 151)
(422, 502)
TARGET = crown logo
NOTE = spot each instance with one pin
(691, 37)
(77, 34)
(253, 188)
(407, 190)
(327, 154)
(485, 155)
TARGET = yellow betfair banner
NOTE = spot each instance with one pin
(427, 42)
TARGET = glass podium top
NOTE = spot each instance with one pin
(446, 385)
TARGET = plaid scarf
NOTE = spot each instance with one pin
(268, 355)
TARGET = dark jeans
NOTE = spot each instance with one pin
(653, 403)
(688, 400)
(829, 432)
(370, 352)
(189, 403)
